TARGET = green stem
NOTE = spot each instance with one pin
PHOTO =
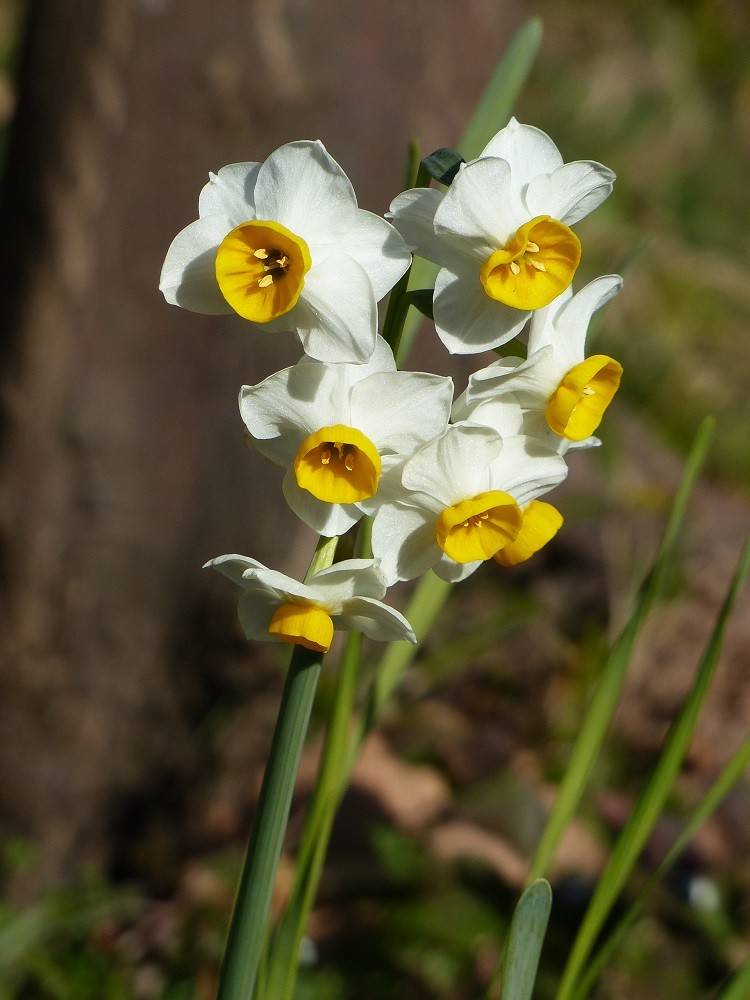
(317, 829)
(321, 811)
(247, 930)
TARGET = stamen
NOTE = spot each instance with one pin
(282, 262)
(325, 457)
(349, 461)
(532, 248)
(538, 265)
(261, 254)
(588, 391)
(514, 267)
(339, 446)
(265, 281)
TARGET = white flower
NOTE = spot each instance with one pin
(340, 431)
(557, 394)
(345, 597)
(501, 235)
(283, 244)
(462, 504)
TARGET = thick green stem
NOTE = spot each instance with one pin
(317, 828)
(247, 929)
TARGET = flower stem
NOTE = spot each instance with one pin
(247, 929)
(317, 829)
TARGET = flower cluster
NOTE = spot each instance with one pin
(449, 484)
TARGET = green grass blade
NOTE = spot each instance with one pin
(651, 801)
(492, 113)
(525, 940)
(713, 798)
(596, 721)
(739, 987)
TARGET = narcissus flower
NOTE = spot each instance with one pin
(345, 597)
(540, 523)
(501, 235)
(283, 244)
(462, 502)
(339, 429)
(557, 391)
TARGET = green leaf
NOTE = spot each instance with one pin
(443, 165)
(597, 718)
(421, 298)
(644, 817)
(492, 113)
(709, 803)
(525, 940)
(739, 987)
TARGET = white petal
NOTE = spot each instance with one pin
(378, 248)
(326, 518)
(526, 468)
(528, 150)
(571, 192)
(255, 610)
(542, 325)
(413, 214)
(282, 410)
(572, 321)
(260, 579)
(481, 206)
(454, 572)
(484, 383)
(188, 276)
(403, 540)
(230, 193)
(347, 579)
(532, 382)
(336, 315)
(301, 186)
(390, 487)
(375, 620)
(469, 321)
(455, 466)
(232, 566)
(502, 413)
(400, 410)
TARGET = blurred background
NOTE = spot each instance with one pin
(134, 720)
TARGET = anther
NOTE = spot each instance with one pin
(261, 254)
(588, 391)
(538, 265)
(325, 457)
(282, 262)
(532, 248)
(514, 267)
(349, 461)
(265, 281)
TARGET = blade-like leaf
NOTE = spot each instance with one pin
(651, 801)
(527, 930)
(596, 721)
(492, 113)
(739, 987)
(709, 803)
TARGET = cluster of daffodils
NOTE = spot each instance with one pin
(450, 483)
